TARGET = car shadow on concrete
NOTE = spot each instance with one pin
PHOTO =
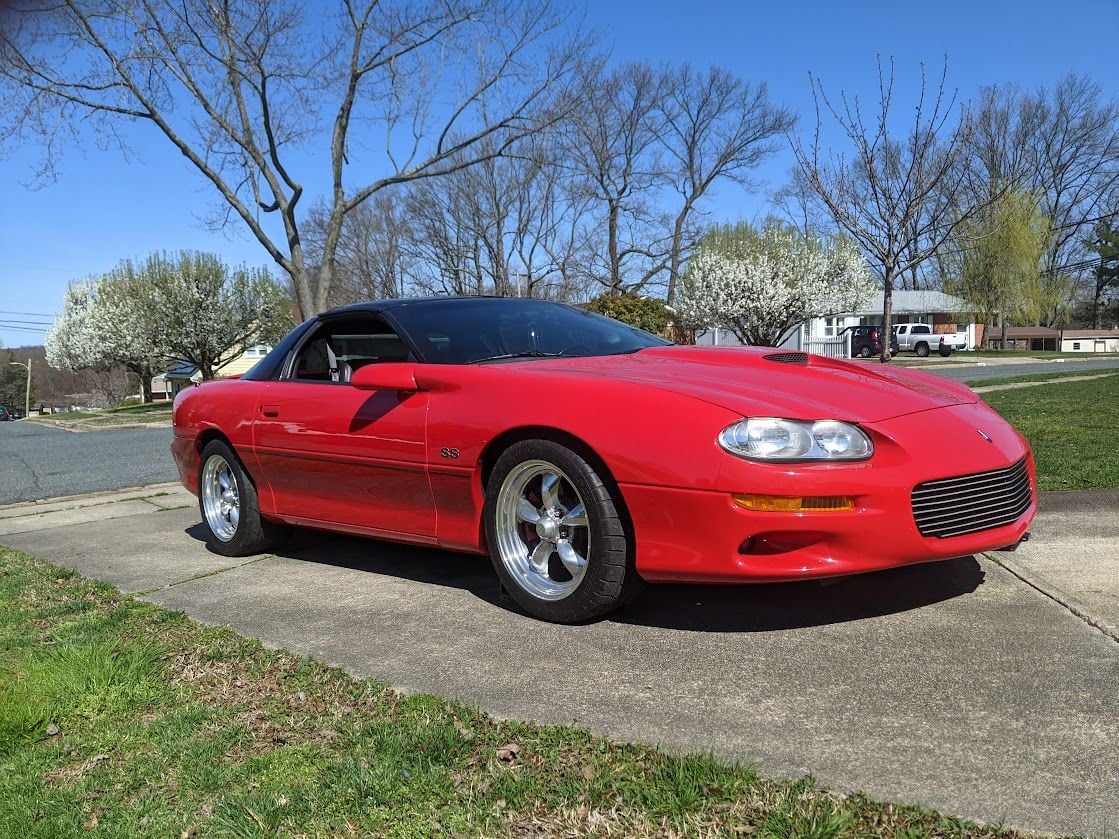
(696, 608)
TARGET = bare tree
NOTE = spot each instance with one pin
(715, 127)
(372, 261)
(1062, 147)
(611, 147)
(238, 85)
(897, 193)
(798, 203)
(506, 226)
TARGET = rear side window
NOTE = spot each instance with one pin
(923, 330)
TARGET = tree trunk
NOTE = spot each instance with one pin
(1096, 307)
(887, 312)
(612, 248)
(674, 259)
(143, 372)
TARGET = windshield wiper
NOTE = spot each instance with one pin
(524, 354)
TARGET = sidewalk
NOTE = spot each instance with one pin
(982, 689)
(1074, 558)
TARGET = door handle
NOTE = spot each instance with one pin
(270, 410)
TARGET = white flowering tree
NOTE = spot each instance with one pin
(70, 344)
(188, 308)
(760, 284)
(205, 314)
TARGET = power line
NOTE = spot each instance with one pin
(28, 314)
(25, 322)
(5, 328)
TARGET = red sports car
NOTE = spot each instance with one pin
(585, 456)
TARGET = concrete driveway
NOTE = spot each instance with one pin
(963, 685)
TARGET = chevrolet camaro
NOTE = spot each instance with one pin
(587, 457)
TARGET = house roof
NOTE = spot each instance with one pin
(1090, 333)
(916, 303)
(179, 370)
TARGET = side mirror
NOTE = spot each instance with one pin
(387, 375)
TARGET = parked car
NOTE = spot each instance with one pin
(920, 338)
(867, 341)
(5, 414)
(587, 457)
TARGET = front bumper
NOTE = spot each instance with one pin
(689, 535)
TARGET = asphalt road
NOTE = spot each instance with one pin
(37, 461)
(971, 373)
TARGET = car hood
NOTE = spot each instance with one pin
(756, 381)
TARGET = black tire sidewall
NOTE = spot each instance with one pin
(604, 584)
(250, 537)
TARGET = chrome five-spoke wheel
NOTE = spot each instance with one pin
(221, 503)
(543, 535)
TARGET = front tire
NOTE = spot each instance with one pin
(922, 350)
(556, 535)
(230, 507)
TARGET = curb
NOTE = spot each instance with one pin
(78, 426)
(150, 489)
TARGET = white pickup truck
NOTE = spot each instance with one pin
(920, 338)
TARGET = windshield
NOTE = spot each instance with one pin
(491, 329)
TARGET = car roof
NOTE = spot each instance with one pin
(397, 302)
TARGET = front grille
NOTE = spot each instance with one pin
(971, 503)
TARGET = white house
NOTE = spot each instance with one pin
(181, 375)
(944, 312)
(1090, 340)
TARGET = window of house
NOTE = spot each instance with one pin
(258, 350)
(832, 327)
(1076, 345)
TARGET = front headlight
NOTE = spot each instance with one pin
(782, 440)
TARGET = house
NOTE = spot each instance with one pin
(1026, 338)
(181, 374)
(1090, 340)
(944, 312)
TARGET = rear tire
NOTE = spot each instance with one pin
(230, 506)
(557, 538)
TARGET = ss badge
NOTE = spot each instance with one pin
(452, 453)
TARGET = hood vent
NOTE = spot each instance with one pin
(787, 357)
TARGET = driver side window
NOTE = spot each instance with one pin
(339, 347)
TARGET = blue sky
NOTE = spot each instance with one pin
(104, 207)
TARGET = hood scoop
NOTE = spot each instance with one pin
(788, 358)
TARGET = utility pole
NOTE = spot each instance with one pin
(27, 393)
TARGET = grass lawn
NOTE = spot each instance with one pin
(972, 356)
(119, 718)
(1073, 428)
(151, 412)
(1040, 377)
(1036, 354)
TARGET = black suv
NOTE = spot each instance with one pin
(867, 341)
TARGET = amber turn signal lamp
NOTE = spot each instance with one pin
(794, 504)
